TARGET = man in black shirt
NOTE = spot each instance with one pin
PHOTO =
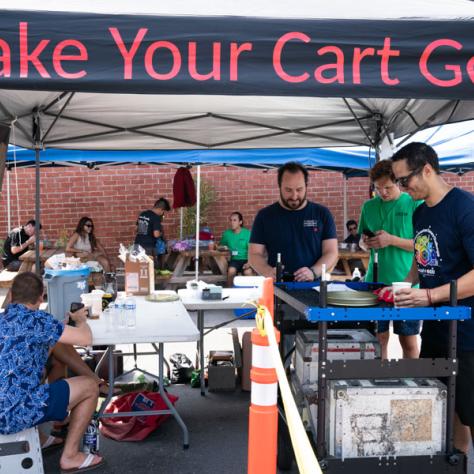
(353, 237)
(149, 227)
(16, 244)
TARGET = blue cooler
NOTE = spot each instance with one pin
(243, 282)
(65, 287)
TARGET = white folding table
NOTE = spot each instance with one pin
(232, 298)
(156, 323)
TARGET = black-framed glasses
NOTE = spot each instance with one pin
(404, 180)
(352, 228)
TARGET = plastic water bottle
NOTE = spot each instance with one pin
(120, 312)
(356, 275)
(90, 439)
(131, 312)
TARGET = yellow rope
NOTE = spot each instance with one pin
(304, 453)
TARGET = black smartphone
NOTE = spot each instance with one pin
(76, 307)
(368, 233)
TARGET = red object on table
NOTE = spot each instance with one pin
(387, 297)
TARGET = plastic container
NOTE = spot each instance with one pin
(64, 287)
(131, 312)
(247, 282)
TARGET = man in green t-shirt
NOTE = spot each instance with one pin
(236, 239)
(387, 230)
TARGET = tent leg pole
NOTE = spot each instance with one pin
(9, 217)
(37, 139)
(344, 210)
(198, 218)
(180, 223)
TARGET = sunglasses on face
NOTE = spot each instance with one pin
(88, 225)
(404, 180)
(352, 228)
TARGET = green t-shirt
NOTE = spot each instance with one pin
(394, 217)
(238, 244)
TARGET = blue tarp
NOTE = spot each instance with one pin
(454, 144)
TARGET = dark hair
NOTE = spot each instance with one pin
(33, 223)
(382, 169)
(27, 287)
(239, 215)
(80, 230)
(292, 167)
(418, 155)
(162, 203)
(350, 222)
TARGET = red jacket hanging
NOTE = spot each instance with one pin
(184, 192)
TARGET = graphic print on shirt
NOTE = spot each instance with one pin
(426, 252)
(143, 223)
(311, 223)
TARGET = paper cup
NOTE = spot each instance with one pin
(397, 286)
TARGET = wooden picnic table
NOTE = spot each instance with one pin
(28, 258)
(213, 261)
(346, 255)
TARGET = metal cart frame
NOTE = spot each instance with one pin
(450, 461)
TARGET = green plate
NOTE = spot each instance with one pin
(351, 298)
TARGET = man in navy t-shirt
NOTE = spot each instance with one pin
(302, 232)
(444, 251)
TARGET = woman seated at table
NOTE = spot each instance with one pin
(84, 244)
(236, 239)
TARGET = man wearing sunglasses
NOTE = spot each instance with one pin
(386, 227)
(444, 251)
(353, 236)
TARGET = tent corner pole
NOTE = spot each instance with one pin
(198, 218)
(37, 141)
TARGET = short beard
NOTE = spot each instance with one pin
(287, 205)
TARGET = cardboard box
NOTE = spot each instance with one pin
(140, 277)
(221, 371)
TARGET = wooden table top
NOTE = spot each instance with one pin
(30, 256)
(343, 253)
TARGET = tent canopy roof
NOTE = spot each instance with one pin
(164, 105)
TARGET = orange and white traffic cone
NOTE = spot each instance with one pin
(267, 298)
(263, 413)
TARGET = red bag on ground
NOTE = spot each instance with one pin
(134, 428)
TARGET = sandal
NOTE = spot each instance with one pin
(50, 444)
(85, 466)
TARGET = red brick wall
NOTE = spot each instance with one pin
(114, 196)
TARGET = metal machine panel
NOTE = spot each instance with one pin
(343, 344)
(401, 417)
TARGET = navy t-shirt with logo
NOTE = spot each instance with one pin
(297, 235)
(444, 251)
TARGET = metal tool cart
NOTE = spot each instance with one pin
(314, 309)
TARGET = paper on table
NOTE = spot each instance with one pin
(335, 287)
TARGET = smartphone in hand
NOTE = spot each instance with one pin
(368, 233)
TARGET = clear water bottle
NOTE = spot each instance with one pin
(120, 312)
(131, 312)
(90, 439)
(356, 275)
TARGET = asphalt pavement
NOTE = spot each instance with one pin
(217, 423)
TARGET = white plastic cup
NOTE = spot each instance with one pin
(397, 286)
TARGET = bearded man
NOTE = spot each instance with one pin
(303, 232)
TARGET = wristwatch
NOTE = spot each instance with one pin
(315, 277)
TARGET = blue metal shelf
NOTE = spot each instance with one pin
(333, 313)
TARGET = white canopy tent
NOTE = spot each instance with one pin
(207, 75)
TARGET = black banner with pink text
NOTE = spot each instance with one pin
(236, 55)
